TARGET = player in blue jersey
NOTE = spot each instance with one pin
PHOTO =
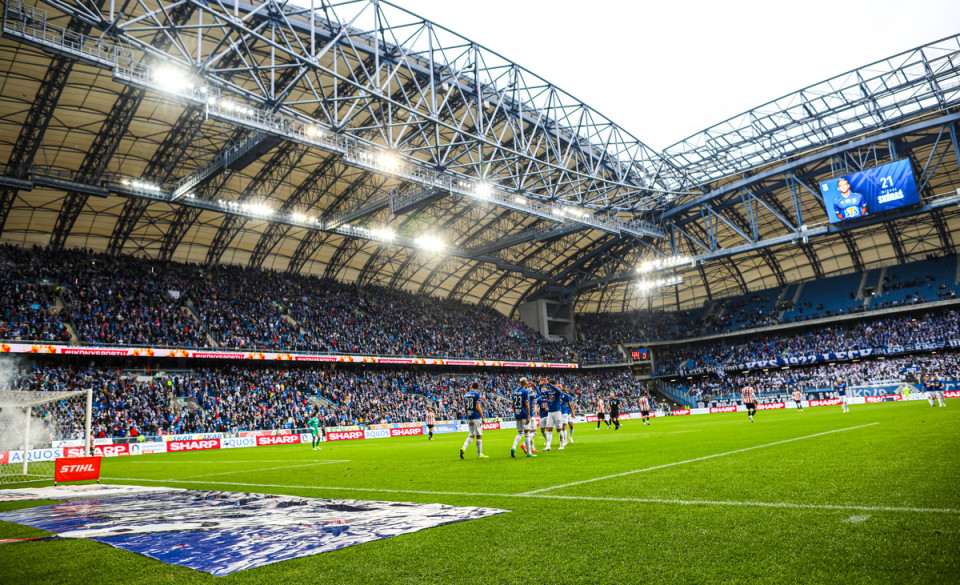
(474, 412)
(553, 397)
(939, 388)
(543, 408)
(566, 407)
(523, 413)
(841, 389)
(930, 387)
(848, 204)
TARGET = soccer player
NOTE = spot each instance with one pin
(601, 415)
(798, 398)
(543, 407)
(848, 204)
(314, 424)
(927, 388)
(645, 409)
(472, 405)
(431, 422)
(939, 388)
(614, 412)
(841, 388)
(523, 413)
(749, 394)
(554, 397)
(566, 407)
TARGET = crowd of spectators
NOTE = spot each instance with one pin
(904, 330)
(134, 301)
(783, 381)
(28, 309)
(231, 398)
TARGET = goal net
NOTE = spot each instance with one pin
(33, 422)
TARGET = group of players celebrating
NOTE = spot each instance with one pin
(551, 404)
(555, 409)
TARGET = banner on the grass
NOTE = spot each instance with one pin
(771, 405)
(224, 532)
(728, 408)
(153, 352)
(278, 440)
(76, 469)
(681, 412)
(197, 445)
(952, 394)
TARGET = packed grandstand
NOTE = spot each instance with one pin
(84, 298)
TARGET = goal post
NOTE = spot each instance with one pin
(32, 420)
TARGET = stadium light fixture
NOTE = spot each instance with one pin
(258, 209)
(171, 79)
(669, 262)
(429, 243)
(384, 234)
(484, 190)
(645, 286)
(389, 161)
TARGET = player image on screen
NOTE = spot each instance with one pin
(848, 205)
(870, 191)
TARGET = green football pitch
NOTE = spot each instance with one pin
(818, 497)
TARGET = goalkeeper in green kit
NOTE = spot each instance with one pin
(314, 425)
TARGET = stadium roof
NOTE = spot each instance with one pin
(355, 142)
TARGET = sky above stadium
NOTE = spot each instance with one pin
(665, 70)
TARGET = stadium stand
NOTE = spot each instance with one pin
(229, 398)
(903, 330)
(828, 297)
(779, 383)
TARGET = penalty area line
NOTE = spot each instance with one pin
(704, 458)
(667, 501)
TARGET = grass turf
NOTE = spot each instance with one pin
(838, 510)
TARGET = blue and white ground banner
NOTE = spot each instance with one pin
(223, 532)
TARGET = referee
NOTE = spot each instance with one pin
(615, 411)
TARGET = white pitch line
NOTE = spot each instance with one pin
(675, 463)
(126, 460)
(268, 468)
(669, 501)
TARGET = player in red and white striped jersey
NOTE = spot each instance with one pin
(645, 409)
(749, 395)
(431, 422)
(798, 399)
